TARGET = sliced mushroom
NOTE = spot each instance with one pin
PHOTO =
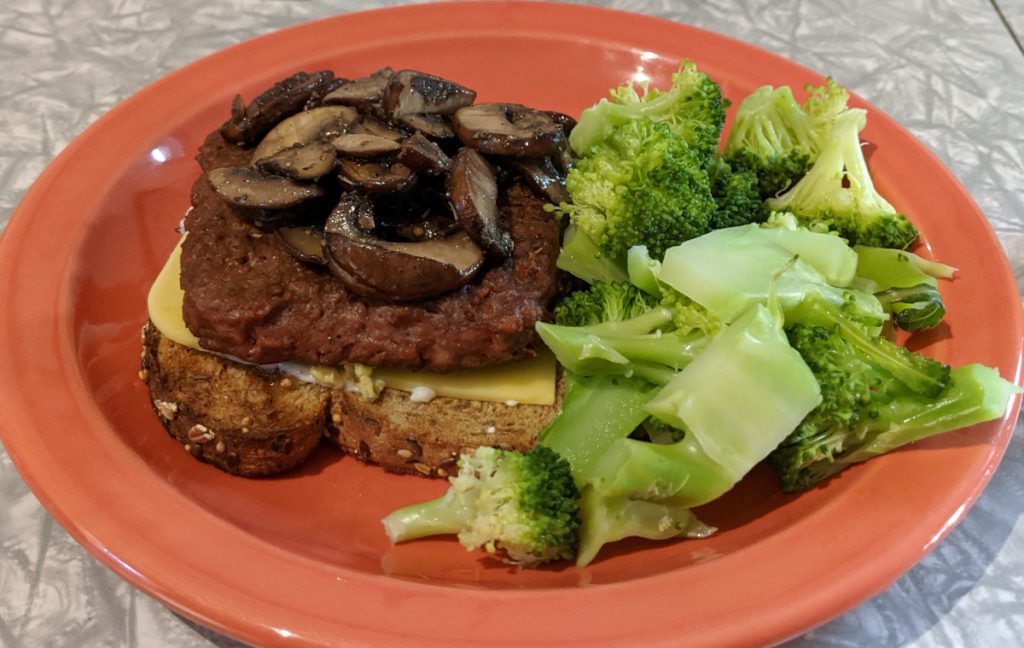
(305, 243)
(395, 271)
(473, 190)
(376, 178)
(507, 129)
(308, 162)
(424, 156)
(364, 146)
(433, 126)
(247, 187)
(364, 90)
(305, 127)
(368, 125)
(543, 177)
(316, 98)
(285, 98)
(567, 122)
(410, 92)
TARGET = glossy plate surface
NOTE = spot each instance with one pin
(303, 557)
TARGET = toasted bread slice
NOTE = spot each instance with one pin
(252, 422)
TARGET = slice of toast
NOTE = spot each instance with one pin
(252, 422)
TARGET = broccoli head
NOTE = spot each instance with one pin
(693, 108)
(777, 139)
(737, 195)
(522, 506)
(838, 193)
(639, 185)
(604, 301)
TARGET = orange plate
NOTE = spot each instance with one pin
(304, 557)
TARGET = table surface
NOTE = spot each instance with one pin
(951, 71)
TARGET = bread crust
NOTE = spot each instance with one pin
(252, 422)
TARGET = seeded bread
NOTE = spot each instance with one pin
(252, 422)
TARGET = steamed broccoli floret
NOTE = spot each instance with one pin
(868, 408)
(838, 192)
(737, 197)
(905, 284)
(776, 139)
(603, 302)
(522, 506)
(693, 108)
(639, 185)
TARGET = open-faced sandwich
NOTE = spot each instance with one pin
(364, 261)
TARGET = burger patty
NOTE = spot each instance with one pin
(246, 296)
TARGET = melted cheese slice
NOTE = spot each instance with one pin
(530, 381)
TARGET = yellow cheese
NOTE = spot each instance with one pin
(530, 382)
(165, 302)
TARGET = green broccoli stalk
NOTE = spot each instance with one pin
(581, 258)
(522, 506)
(905, 284)
(838, 193)
(729, 270)
(692, 108)
(866, 411)
(610, 519)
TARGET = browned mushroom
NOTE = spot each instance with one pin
(364, 146)
(473, 190)
(306, 162)
(507, 129)
(285, 98)
(410, 92)
(305, 127)
(305, 243)
(376, 177)
(391, 270)
(543, 177)
(369, 125)
(424, 156)
(364, 90)
(246, 187)
(433, 126)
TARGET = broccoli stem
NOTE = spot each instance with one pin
(596, 412)
(447, 514)
(582, 351)
(975, 394)
(581, 258)
(680, 473)
(610, 519)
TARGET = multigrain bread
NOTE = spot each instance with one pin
(253, 422)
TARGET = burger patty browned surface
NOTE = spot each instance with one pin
(246, 296)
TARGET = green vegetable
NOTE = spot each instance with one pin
(737, 196)
(868, 409)
(640, 184)
(729, 270)
(692, 108)
(905, 284)
(837, 193)
(581, 258)
(523, 506)
(610, 519)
